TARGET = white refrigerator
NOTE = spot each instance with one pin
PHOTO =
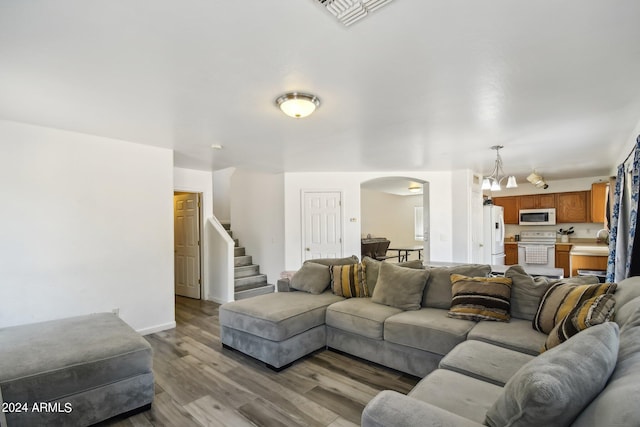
(493, 235)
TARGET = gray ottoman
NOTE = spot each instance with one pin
(73, 372)
(276, 328)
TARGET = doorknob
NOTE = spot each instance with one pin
(307, 249)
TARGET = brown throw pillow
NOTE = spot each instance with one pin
(348, 281)
(438, 293)
(400, 287)
(564, 296)
(480, 298)
(593, 311)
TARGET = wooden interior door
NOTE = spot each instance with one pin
(322, 224)
(187, 244)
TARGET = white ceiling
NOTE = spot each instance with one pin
(417, 85)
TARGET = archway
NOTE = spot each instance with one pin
(397, 208)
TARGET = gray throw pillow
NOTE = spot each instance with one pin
(526, 292)
(553, 388)
(399, 287)
(335, 261)
(372, 266)
(438, 293)
(312, 278)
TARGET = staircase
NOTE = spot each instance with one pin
(248, 281)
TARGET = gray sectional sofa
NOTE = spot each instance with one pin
(467, 365)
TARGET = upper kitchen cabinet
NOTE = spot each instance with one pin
(598, 201)
(511, 207)
(572, 207)
(536, 201)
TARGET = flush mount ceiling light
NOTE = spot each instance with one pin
(537, 180)
(350, 11)
(297, 104)
(415, 188)
(493, 181)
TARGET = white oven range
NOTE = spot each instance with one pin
(537, 248)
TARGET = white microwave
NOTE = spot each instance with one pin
(537, 216)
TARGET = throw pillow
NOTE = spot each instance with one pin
(348, 281)
(562, 297)
(526, 292)
(593, 311)
(480, 298)
(312, 278)
(400, 287)
(372, 266)
(553, 388)
(438, 293)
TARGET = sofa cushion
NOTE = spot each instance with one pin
(46, 361)
(400, 287)
(428, 329)
(348, 281)
(484, 361)
(554, 387)
(372, 268)
(517, 335)
(627, 290)
(617, 404)
(438, 290)
(277, 316)
(526, 292)
(312, 278)
(334, 261)
(360, 316)
(626, 312)
(480, 298)
(593, 311)
(457, 393)
(563, 296)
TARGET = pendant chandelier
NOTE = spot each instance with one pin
(493, 181)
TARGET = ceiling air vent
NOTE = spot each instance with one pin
(350, 11)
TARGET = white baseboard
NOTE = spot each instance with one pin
(157, 328)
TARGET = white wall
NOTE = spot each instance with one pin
(86, 227)
(195, 181)
(222, 194)
(349, 184)
(258, 218)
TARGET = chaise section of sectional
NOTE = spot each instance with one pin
(276, 328)
(84, 370)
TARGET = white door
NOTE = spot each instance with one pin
(187, 244)
(321, 224)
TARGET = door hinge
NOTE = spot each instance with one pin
(199, 281)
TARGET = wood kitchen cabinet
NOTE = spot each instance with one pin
(572, 207)
(511, 254)
(598, 201)
(511, 207)
(562, 257)
(538, 201)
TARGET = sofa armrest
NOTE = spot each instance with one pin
(390, 408)
(284, 285)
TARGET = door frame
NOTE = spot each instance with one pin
(200, 238)
(305, 191)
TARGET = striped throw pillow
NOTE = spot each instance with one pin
(348, 281)
(561, 298)
(480, 298)
(593, 311)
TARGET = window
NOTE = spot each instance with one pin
(418, 223)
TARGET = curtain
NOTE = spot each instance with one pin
(624, 261)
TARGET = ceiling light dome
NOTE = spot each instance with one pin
(297, 104)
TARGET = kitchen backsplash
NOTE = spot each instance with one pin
(581, 230)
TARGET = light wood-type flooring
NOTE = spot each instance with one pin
(198, 383)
